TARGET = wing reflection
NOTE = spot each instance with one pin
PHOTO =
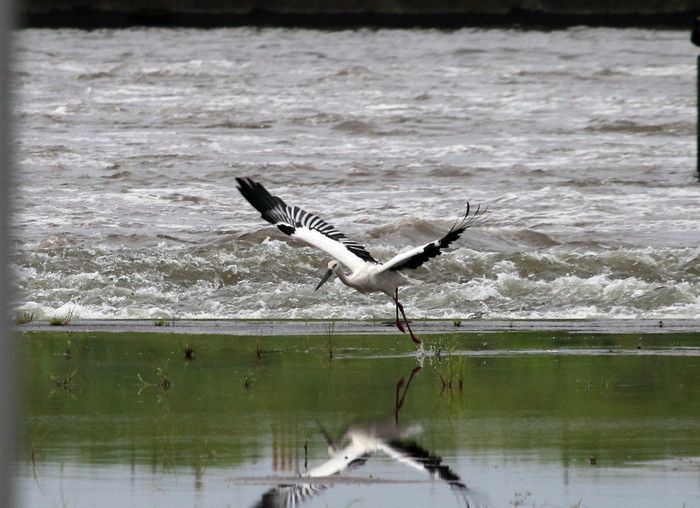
(358, 444)
(292, 494)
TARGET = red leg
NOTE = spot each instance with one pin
(399, 307)
(398, 404)
(398, 323)
(400, 399)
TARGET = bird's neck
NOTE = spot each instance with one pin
(341, 275)
(349, 281)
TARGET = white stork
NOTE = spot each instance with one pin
(368, 275)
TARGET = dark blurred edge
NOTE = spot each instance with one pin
(91, 18)
(8, 350)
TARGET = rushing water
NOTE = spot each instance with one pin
(580, 142)
(504, 419)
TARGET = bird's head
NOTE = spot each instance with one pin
(333, 268)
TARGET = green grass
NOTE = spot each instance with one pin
(62, 320)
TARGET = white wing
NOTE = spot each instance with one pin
(416, 257)
(298, 223)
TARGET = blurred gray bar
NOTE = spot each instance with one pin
(8, 349)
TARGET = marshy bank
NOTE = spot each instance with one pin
(238, 327)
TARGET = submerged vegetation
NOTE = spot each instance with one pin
(451, 370)
(163, 382)
(189, 351)
(330, 331)
(63, 383)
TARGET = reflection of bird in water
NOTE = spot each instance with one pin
(357, 445)
(288, 495)
(353, 449)
(368, 275)
(387, 438)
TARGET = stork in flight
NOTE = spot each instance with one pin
(368, 275)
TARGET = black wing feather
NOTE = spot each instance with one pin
(289, 218)
(435, 248)
(289, 495)
(430, 462)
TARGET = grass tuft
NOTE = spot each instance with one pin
(451, 371)
(24, 317)
(164, 322)
(62, 320)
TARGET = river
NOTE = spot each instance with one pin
(580, 142)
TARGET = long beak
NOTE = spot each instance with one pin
(324, 279)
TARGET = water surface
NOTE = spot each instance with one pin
(580, 141)
(186, 420)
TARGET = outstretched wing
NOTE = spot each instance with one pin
(416, 257)
(298, 223)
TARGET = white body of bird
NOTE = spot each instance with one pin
(369, 278)
(366, 275)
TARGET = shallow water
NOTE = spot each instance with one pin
(555, 419)
(130, 140)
